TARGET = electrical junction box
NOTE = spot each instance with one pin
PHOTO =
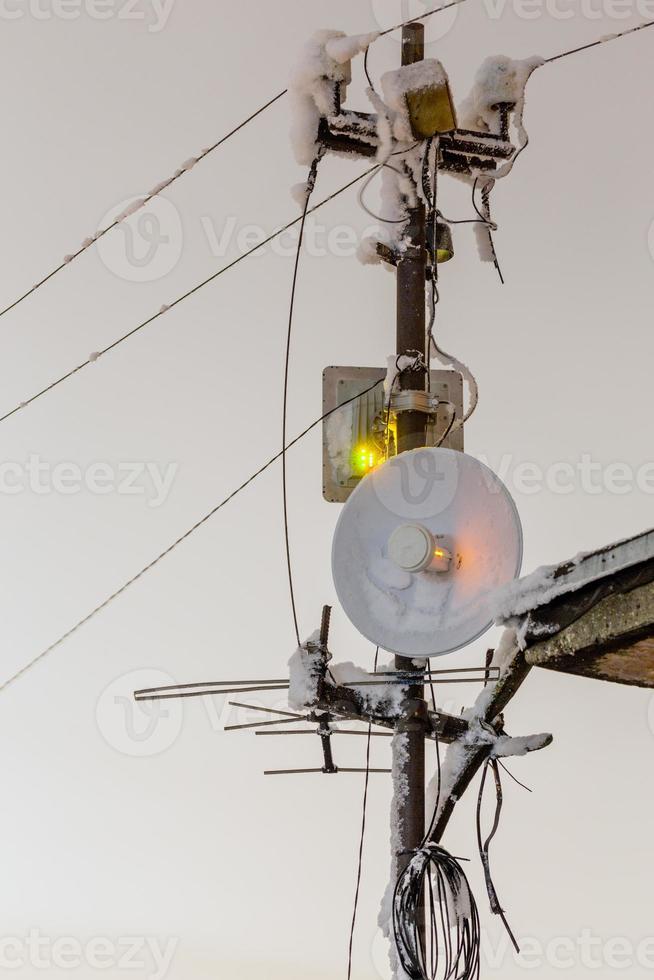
(358, 437)
(431, 111)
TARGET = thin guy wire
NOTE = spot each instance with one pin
(362, 838)
(296, 268)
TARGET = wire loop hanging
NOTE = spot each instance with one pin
(448, 946)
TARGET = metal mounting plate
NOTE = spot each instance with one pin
(343, 383)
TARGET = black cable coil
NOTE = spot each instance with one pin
(448, 947)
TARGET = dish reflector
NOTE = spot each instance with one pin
(419, 547)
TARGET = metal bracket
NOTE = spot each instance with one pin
(415, 401)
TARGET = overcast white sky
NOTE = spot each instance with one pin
(183, 840)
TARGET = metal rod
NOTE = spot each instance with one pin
(407, 680)
(267, 711)
(188, 687)
(298, 772)
(209, 693)
(289, 772)
(277, 683)
(435, 673)
(365, 770)
(339, 731)
(261, 724)
(324, 626)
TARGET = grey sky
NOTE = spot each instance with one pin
(192, 843)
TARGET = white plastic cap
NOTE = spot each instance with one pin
(411, 547)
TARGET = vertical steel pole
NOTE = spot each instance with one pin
(411, 434)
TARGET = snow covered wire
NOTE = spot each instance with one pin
(362, 190)
(311, 183)
(601, 40)
(484, 845)
(449, 945)
(138, 205)
(187, 534)
(449, 361)
(180, 299)
(485, 226)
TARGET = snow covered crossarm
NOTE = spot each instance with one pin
(500, 84)
(349, 693)
(318, 85)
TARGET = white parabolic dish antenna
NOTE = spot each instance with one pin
(419, 548)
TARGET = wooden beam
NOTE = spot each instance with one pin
(471, 756)
(613, 641)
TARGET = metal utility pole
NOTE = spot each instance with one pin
(411, 434)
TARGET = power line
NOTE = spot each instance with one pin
(180, 299)
(187, 534)
(602, 40)
(165, 184)
(139, 205)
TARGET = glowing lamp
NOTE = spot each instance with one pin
(364, 459)
(444, 244)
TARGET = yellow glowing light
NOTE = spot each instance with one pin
(365, 459)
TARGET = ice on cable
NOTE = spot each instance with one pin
(344, 49)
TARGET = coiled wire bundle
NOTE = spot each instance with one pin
(448, 946)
